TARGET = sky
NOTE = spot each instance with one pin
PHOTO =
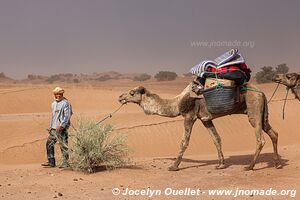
(85, 36)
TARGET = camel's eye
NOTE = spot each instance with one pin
(288, 76)
(131, 92)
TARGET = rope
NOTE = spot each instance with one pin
(219, 86)
(283, 100)
(283, 109)
(110, 114)
(99, 122)
(270, 100)
(105, 118)
(273, 93)
(251, 89)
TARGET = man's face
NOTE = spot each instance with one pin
(58, 96)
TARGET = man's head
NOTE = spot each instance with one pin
(58, 93)
(289, 80)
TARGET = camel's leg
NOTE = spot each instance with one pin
(260, 141)
(274, 137)
(188, 125)
(217, 141)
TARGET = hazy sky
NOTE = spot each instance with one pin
(85, 36)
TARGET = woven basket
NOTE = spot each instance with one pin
(220, 99)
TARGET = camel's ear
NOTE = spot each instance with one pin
(141, 90)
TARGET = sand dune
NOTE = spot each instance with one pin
(25, 114)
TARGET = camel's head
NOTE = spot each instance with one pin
(289, 80)
(133, 96)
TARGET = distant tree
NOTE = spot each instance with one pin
(34, 77)
(188, 74)
(282, 69)
(76, 80)
(103, 78)
(165, 76)
(142, 77)
(67, 75)
(31, 76)
(2, 75)
(53, 78)
(265, 75)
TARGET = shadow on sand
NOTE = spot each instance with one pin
(106, 168)
(233, 160)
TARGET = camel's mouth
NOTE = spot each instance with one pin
(276, 80)
(122, 101)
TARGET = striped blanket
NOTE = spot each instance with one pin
(232, 57)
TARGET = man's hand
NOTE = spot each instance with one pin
(59, 129)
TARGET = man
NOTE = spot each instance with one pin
(60, 122)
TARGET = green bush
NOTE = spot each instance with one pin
(142, 77)
(165, 76)
(95, 146)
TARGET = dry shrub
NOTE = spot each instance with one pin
(165, 76)
(95, 146)
(142, 77)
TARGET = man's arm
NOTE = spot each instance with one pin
(66, 115)
(51, 115)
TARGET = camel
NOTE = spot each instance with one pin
(291, 81)
(252, 102)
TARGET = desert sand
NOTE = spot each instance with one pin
(154, 141)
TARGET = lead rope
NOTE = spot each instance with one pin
(99, 122)
(287, 92)
(105, 118)
(283, 109)
(273, 93)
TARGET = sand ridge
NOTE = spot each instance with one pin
(25, 114)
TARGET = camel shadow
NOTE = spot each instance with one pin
(233, 160)
(103, 168)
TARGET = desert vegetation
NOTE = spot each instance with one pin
(142, 77)
(165, 76)
(266, 73)
(95, 146)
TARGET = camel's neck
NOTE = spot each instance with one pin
(153, 104)
(296, 90)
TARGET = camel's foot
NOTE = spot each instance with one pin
(221, 166)
(173, 168)
(248, 168)
(277, 164)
